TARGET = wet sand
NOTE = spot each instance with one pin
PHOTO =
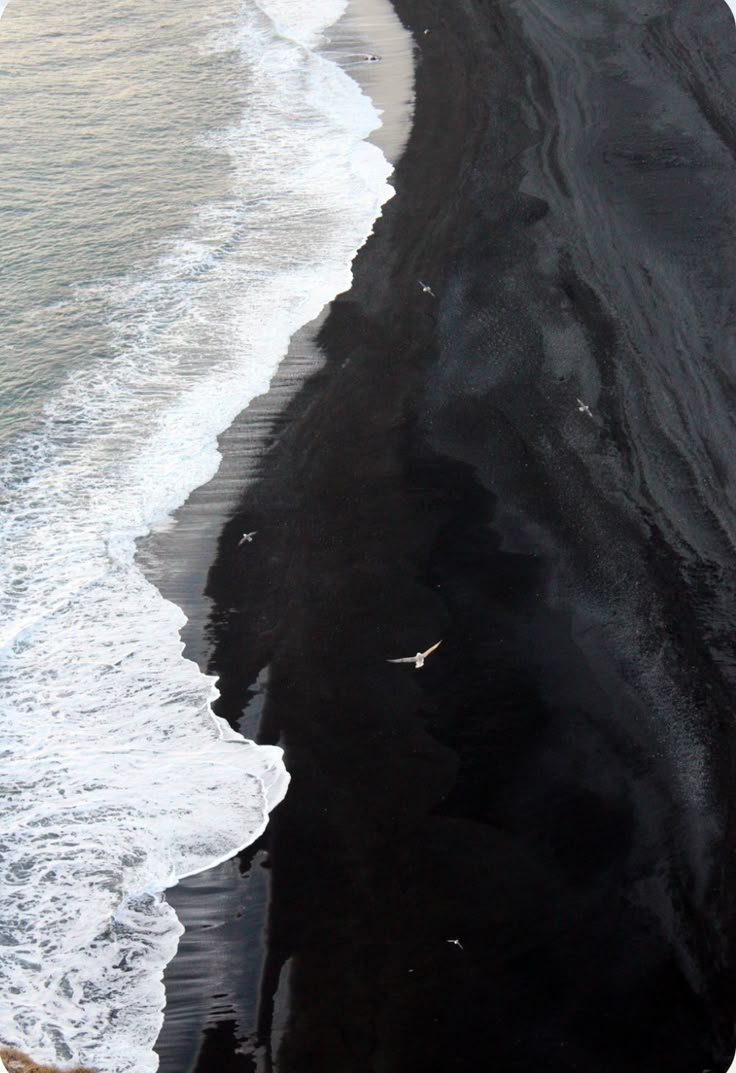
(535, 464)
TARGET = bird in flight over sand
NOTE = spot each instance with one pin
(584, 408)
(417, 660)
(247, 538)
(426, 288)
(456, 942)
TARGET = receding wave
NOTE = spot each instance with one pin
(118, 778)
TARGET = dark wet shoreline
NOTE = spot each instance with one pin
(554, 788)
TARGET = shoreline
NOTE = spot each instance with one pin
(229, 903)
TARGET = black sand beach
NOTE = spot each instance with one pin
(534, 463)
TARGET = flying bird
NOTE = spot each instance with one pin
(584, 408)
(417, 660)
(456, 942)
(247, 538)
(426, 288)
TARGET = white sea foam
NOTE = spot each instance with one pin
(117, 778)
(303, 20)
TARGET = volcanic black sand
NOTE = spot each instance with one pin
(537, 466)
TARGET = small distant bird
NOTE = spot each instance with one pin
(426, 288)
(417, 660)
(456, 942)
(247, 538)
(426, 31)
(584, 408)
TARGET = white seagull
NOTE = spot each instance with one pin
(247, 538)
(426, 288)
(584, 408)
(417, 660)
(456, 942)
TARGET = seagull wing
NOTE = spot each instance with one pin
(404, 659)
(430, 650)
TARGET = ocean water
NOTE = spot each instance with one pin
(184, 187)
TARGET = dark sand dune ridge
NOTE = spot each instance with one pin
(537, 466)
